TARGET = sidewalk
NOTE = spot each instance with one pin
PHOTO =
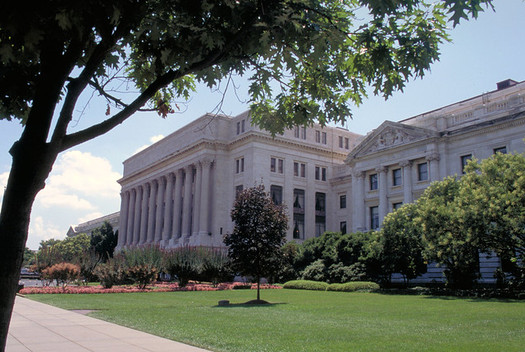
(38, 327)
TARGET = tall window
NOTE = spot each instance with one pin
(242, 126)
(296, 131)
(347, 143)
(277, 165)
(298, 213)
(276, 192)
(342, 201)
(340, 141)
(303, 132)
(239, 165)
(422, 172)
(374, 218)
(464, 161)
(502, 150)
(373, 182)
(396, 177)
(323, 137)
(238, 189)
(318, 136)
(342, 227)
(320, 213)
(238, 127)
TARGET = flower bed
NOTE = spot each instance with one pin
(157, 287)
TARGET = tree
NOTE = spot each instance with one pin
(320, 53)
(103, 241)
(401, 244)
(491, 199)
(258, 235)
(447, 234)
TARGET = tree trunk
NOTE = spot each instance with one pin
(31, 166)
(258, 288)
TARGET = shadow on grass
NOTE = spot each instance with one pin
(247, 305)
(450, 295)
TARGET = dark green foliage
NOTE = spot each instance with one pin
(258, 235)
(316, 271)
(354, 286)
(306, 285)
(104, 241)
(288, 262)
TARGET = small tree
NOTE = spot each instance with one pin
(259, 234)
(401, 245)
(104, 241)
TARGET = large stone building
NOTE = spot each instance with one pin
(180, 190)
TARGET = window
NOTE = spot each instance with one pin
(276, 192)
(303, 132)
(238, 189)
(299, 169)
(464, 161)
(320, 173)
(239, 165)
(422, 172)
(342, 227)
(298, 200)
(318, 136)
(277, 165)
(323, 139)
(238, 127)
(397, 205)
(342, 201)
(373, 182)
(347, 143)
(502, 150)
(320, 213)
(396, 177)
(242, 126)
(340, 141)
(320, 202)
(374, 218)
(298, 226)
(296, 131)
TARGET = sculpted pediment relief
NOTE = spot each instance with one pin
(389, 135)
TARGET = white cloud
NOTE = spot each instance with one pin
(3, 183)
(153, 140)
(39, 230)
(89, 217)
(55, 197)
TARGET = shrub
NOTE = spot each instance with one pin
(306, 285)
(63, 273)
(315, 271)
(214, 266)
(112, 273)
(353, 286)
(183, 264)
(143, 275)
(340, 273)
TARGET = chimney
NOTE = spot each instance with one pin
(506, 83)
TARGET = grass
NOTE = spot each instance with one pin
(301, 320)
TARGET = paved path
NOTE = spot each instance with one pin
(38, 327)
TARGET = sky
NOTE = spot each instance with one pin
(83, 184)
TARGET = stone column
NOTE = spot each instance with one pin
(159, 212)
(205, 197)
(197, 202)
(407, 181)
(123, 221)
(136, 217)
(168, 210)
(151, 211)
(146, 189)
(177, 207)
(186, 208)
(359, 215)
(382, 172)
(131, 209)
(433, 160)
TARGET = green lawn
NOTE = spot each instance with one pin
(313, 320)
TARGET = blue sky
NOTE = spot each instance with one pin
(83, 183)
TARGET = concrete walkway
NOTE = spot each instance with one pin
(38, 327)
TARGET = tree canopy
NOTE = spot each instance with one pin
(258, 235)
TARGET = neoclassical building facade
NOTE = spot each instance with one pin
(180, 190)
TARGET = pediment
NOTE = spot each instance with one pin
(389, 135)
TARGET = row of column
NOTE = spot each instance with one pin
(358, 189)
(168, 210)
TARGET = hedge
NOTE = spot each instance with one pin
(353, 286)
(306, 285)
